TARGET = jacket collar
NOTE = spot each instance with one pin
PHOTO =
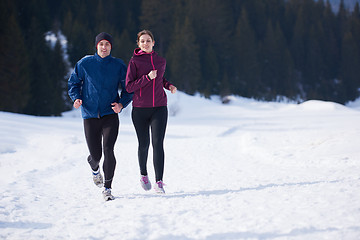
(100, 59)
(139, 52)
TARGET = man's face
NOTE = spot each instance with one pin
(103, 48)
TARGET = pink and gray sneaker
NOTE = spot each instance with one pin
(159, 187)
(145, 183)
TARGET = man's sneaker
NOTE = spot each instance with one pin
(145, 183)
(98, 179)
(159, 187)
(107, 194)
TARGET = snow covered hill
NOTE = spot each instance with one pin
(246, 170)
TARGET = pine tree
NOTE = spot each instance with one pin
(59, 99)
(342, 18)
(183, 58)
(210, 72)
(157, 16)
(246, 65)
(298, 40)
(14, 68)
(211, 20)
(40, 79)
(225, 88)
(101, 22)
(329, 44)
(289, 21)
(257, 17)
(287, 84)
(350, 69)
(355, 25)
(81, 40)
(314, 72)
(123, 46)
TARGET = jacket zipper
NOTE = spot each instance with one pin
(152, 63)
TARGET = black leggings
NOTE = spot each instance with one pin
(97, 130)
(156, 120)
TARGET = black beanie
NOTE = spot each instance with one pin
(103, 36)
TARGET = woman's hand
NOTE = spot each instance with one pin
(172, 89)
(152, 74)
(77, 103)
(116, 107)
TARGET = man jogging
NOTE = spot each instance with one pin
(94, 86)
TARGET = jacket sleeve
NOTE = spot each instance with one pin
(167, 84)
(125, 96)
(75, 84)
(132, 83)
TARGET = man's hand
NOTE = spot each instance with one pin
(77, 103)
(116, 107)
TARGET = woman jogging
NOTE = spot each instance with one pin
(94, 85)
(145, 78)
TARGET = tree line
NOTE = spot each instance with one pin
(263, 49)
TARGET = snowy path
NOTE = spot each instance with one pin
(243, 171)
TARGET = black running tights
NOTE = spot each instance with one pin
(102, 130)
(154, 119)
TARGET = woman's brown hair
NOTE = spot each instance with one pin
(143, 32)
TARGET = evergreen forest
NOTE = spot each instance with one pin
(261, 49)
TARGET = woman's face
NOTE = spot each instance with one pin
(146, 43)
(103, 48)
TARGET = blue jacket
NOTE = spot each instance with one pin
(96, 81)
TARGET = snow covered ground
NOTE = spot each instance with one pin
(246, 170)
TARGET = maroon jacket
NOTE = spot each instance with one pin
(147, 92)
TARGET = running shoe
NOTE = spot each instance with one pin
(97, 178)
(145, 182)
(159, 187)
(107, 194)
